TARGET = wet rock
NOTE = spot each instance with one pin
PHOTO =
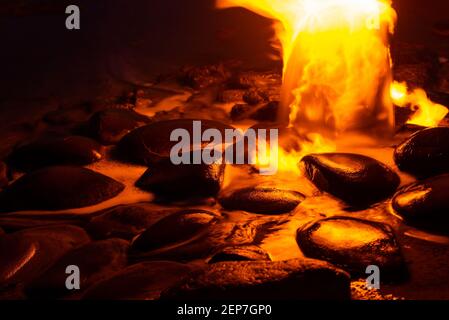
(109, 126)
(69, 150)
(26, 254)
(262, 200)
(424, 154)
(172, 182)
(425, 203)
(230, 95)
(264, 113)
(58, 188)
(177, 228)
(143, 281)
(353, 244)
(96, 261)
(293, 279)
(19, 221)
(4, 175)
(151, 143)
(124, 222)
(203, 77)
(240, 253)
(251, 79)
(255, 96)
(356, 179)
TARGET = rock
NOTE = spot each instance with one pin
(240, 253)
(264, 280)
(230, 95)
(69, 150)
(172, 182)
(66, 116)
(255, 96)
(151, 143)
(356, 179)
(109, 126)
(263, 113)
(124, 221)
(415, 75)
(262, 200)
(4, 175)
(58, 188)
(143, 281)
(96, 261)
(251, 79)
(19, 221)
(353, 244)
(181, 227)
(26, 254)
(425, 203)
(203, 77)
(424, 154)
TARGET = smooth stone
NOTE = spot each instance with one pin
(124, 222)
(109, 126)
(178, 228)
(58, 188)
(96, 261)
(142, 281)
(4, 175)
(424, 154)
(262, 200)
(264, 280)
(26, 254)
(353, 244)
(151, 143)
(172, 182)
(69, 150)
(425, 203)
(240, 253)
(356, 179)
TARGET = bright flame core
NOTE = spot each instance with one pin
(337, 65)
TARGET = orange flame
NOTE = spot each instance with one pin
(427, 113)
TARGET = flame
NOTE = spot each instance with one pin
(282, 161)
(427, 113)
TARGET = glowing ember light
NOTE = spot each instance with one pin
(427, 113)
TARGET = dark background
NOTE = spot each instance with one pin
(43, 63)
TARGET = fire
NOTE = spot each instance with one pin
(337, 74)
(427, 113)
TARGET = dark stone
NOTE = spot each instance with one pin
(151, 143)
(203, 77)
(425, 203)
(4, 175)
(255, 96)
(143, 281)
(230, 95)
(240, 253)
(267, 113)
(171, 182)
(109, 126)
(26, 254)
(353, 244)
(415, 75)
(251, 79)
(180, 227)
(124, 222)
(424, 154)
(262, 200)
(58, 188)
(96, 261)
(18, 220)
(66, 116)
(356, 179)
(241, 111)
(264, 280)
(69, 150)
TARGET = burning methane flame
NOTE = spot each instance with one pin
(337, 75)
